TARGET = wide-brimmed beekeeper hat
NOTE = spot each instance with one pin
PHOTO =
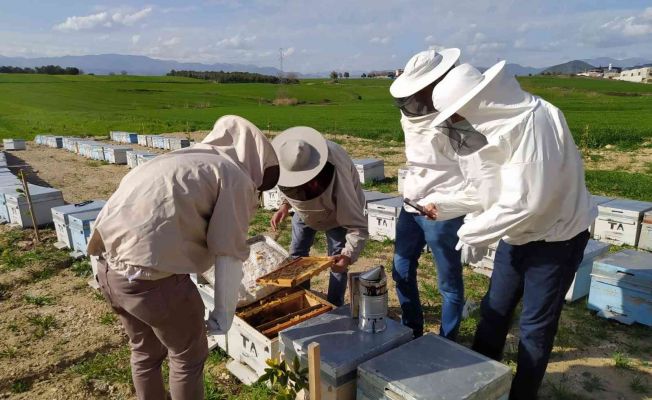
(423, 69)
(459, 87)
(302, 153)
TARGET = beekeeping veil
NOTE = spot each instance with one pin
(493, 103)
(243, 142)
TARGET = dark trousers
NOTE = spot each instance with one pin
(303, 237)
(540, 274)
(412, 233)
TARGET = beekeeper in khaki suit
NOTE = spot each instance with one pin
(320, 182)
(181, 213)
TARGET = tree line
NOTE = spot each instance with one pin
(234, 77)
(46, 69)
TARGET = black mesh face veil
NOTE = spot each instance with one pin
(463, 138)
(414, 106)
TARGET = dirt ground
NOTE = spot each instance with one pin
(592, 359)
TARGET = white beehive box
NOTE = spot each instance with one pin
(382, 216)
(142, 140)
(116, 154)
(70, 143)
(619, 221)
(371, 196)
(56, 142)
(598, 200)
(645, 240)
(402, 173)
(61, 218)
(97, 151)
(14, 144)
(43, 199)
(6, 188)
(177, 143)
(144, 157)
(272, 199)
(370, 169)
(433, 368)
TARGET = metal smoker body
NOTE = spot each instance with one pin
(373, 300)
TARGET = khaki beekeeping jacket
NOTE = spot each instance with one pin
(179, 211)
(527, 184)
(432, 164)
(341, 204)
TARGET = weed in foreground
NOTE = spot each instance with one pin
(622, 361)
(42, 324)
(82, 268)
(108, 318)
(38, 300)
(592, 383)
(20, 386)
(639, 385)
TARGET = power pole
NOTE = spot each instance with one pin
(280, 58)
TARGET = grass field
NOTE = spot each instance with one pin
(598, 112)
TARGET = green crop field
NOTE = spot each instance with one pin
(598, 112)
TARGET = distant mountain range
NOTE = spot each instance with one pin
(142, 65)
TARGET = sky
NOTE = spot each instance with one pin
(317, 36)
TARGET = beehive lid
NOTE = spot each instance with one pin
(296, 271)
(79, 207)
(393, 202)
(343, 345)
(37, 193)
(628, 268)
(78, 219)
(367, 162)
(432, 367)
(625, 207)
(601, 199)
(595, 249)
(371, 195)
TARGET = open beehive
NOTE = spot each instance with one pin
(271, 302)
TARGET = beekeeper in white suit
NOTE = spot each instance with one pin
(527, 187)
(181, 213)
(432, 168)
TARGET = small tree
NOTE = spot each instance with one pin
(333, 75)
(346, 74)
(363, 75)
(123, 72)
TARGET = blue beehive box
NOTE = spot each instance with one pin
(343, 348)
(582, 281)
(80, 229)
(433, 368)
(61, 218)
(621, 287)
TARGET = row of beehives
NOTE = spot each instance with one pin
(14, 144)
(96, 150)
(153, 141)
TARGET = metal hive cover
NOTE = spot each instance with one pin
(78, 219)
(626, 204)
(432, 367)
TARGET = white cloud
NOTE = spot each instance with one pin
(171, 41)
(288, 52)
(101, 20)
(135, 39)
(237, 42)
(81, 23)
(130, 19)
(429, 39)
(381, 40)
(631, 26)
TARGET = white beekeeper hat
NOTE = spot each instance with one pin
(459, 87)
(423, 69)
(302, 154)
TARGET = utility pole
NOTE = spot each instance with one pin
(280, 58)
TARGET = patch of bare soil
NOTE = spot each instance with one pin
(639, 160)
(66, 328)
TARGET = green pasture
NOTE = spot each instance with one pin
(598, 112)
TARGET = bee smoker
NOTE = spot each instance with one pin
(373, 300)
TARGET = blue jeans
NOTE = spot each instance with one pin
(540, 273)
(303, 237)
(412, 233)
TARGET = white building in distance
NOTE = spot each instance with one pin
(640, 75)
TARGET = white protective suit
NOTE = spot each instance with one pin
(432, 164)
(527, 184)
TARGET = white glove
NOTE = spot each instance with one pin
(470, 254)
(228, 275)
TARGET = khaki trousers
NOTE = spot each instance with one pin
(162, 318)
